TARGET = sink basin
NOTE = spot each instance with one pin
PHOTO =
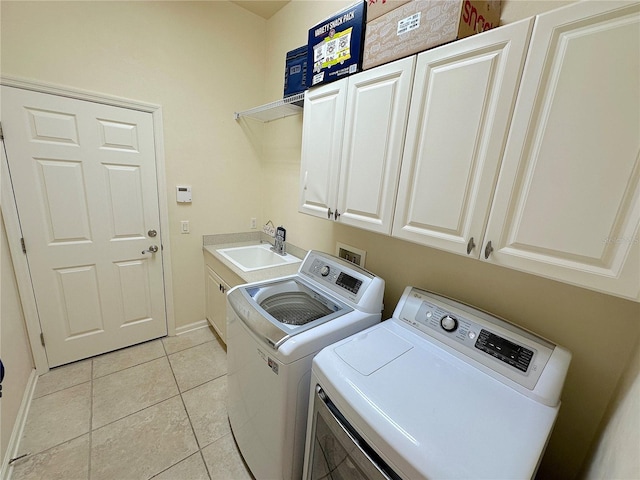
(255, 257)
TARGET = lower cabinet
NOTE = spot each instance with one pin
(216, 293)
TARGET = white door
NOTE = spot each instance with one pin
(463, 96)
(375, 125)
(567, 204)
(322, 133)
(84, 179)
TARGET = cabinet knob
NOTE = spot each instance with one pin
(336, 214)
(487, 250)
(470, 246)
(329, 213)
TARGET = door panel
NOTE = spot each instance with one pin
(377, 110)
(461, 106)
(84, 178)
(567, 205)
(322, 143)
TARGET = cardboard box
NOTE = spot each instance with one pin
(295, 71)
(423, 24)
(377, 8)
(334, 49)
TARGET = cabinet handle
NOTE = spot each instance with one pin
(487, 250)
(220, 286)
(336, 214)
(329, 213)
(470, 246)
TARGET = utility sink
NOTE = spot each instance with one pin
(255, 257)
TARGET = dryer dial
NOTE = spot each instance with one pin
(449, 323)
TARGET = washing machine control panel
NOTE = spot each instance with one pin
(336, 276)
(497, 344)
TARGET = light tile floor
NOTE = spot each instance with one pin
(155, 410)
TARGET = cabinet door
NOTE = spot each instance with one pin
(216, 302)
(375, 125)
(463, 96)
(322, 132)
(567, 205)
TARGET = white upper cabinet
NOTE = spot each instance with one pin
(376, 118)
(322, 132)
(353, 134)
(567, 204)
(463, 96)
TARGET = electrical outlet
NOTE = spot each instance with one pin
(184, 226)
(252, 224)
(351, 254)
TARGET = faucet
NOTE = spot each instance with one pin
(278, 245)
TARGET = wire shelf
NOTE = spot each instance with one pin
(274, 110)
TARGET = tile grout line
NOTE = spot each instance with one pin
(206, 467)
(90, 423)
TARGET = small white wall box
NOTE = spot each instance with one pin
(183, 194)
(351, 254)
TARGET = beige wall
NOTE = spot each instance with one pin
(616, 450)
(201, 61)
(14, 347)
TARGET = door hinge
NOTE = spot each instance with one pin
(24, 247)
(42, 338)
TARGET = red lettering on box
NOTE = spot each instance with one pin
(473, 19)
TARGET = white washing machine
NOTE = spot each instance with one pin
(274, 328)
(439, 391)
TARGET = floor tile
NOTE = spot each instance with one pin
(224, 460)
(63, 377)
(128, 391)
(69, 461)
(127, 357)
(57, 418)
(197, 365)
(191, 468)
(143, 444)
(207, 409)
(188, 340)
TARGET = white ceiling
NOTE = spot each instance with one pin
(263, 8)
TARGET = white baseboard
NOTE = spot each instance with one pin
(18, 427)
(192, 326)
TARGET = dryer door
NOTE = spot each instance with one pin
(337, 450)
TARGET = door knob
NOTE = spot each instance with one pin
(152, 249)
(152, 233)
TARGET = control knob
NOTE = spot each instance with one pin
(449, 323)
(324, 271)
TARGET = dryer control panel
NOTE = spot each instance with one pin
(503, 347)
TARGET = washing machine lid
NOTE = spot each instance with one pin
(428, 414)
(279, 309)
